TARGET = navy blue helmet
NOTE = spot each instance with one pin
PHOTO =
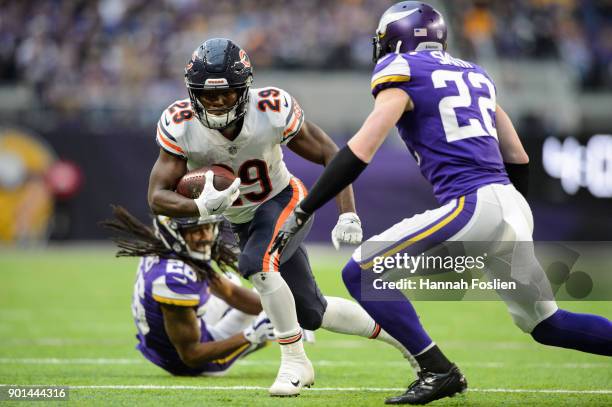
(215, 65)
(409, 26)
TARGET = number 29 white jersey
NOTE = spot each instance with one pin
(273, 117)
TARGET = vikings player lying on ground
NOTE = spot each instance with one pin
(225, 122)
(446, 112)
(190, 319)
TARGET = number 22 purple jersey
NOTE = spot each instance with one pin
(451, 130)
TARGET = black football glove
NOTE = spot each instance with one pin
(292, 225)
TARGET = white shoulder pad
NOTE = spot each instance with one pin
(167, 290)
(172, 126)
(391, 68)
(283, 110)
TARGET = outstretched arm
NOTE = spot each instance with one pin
(515, 158)
(314, 145)
(349, 162)
(509, 142)
(181, 325)
(237, 297)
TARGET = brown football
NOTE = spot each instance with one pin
(192, 183)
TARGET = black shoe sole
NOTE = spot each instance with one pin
(419, 402)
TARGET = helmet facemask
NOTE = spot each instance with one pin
(218, 65)
(181, 235)
(220, 117)
(200, 245)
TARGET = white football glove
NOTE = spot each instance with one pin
(347, 230)
(261, 330)
(214, 202)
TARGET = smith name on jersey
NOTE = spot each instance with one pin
(272, 118)
(451, 130)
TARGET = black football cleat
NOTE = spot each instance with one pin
(432, 386)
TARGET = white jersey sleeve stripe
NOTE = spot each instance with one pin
(398, 70)
(165, 132)
(293, 122)
(293, 130)
(162, 293)
(168, 145)
(390, 78)
(172, 301)
(294, 126)
(291, 113)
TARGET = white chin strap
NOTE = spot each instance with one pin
(205, 255)
(219, 121)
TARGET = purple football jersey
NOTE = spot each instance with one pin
(172, 282)
(451, 130)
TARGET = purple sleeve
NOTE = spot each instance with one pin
(177, 285)
(392, 71)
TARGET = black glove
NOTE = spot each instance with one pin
(292, 225)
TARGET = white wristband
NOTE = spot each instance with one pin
(352, 216)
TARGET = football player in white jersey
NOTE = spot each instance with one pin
(225, 122)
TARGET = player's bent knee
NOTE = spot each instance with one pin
(266, 282)
(351, 275)
(351, 272)
(311, 319)
(247, 266)
(526, 316)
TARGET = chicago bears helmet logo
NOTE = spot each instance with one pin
(244, 58)
(194, 56)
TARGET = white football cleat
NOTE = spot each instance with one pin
(295, 372)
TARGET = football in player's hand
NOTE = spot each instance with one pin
(192, 183)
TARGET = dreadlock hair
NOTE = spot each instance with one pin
(136, 239)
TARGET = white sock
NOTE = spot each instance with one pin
(385, 337)
(278, 303)
(347, 317)
(233, 322)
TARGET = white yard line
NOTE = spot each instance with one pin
(315, 389)
(322, 363)
(71, 361)
(29, 342)
(328, 343)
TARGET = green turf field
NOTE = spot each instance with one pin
(65, 319)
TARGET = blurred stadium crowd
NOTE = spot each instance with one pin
(75, 52)
(78, 78)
